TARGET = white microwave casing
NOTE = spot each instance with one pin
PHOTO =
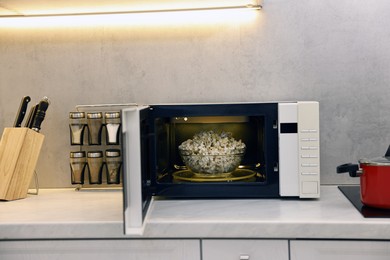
(298, 150)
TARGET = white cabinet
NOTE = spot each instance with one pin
(340, 250)
(194, 249)
(100, 250)
(244, 249)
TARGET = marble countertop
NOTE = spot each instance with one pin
(66, 213)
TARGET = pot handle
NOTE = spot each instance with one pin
(353, 169)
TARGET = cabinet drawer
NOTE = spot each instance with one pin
(244, 249)
(340, 250)
(100, 250)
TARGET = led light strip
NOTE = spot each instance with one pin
(249, 6)
(153, 18)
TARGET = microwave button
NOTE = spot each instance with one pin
(309, 139)
(309, 173)
(310, 187)
(309, 156)
(309, 165)
(305, 131)
(309, 147)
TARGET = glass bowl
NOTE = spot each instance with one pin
(209, 165)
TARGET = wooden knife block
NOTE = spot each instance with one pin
(19, 152)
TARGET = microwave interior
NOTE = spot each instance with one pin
(166, 128)
(171, 132)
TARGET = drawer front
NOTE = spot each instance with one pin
(244, 249)
(101, 250)
(340, 250)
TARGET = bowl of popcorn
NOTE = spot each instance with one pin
(212, 154)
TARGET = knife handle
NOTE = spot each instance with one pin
(22, 111)
(40, 114)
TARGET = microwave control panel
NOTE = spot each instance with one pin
(299, 149)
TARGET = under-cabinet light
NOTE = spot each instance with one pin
(76, 7)
(150, 18)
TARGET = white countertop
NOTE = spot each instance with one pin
(66, 213)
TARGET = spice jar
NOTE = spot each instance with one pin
(95, 166)
(95, 123)
(77, 167)
(76, 126)
(113, 166)
(113, 123)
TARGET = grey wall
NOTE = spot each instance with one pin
(335, 51)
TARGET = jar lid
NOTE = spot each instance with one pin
(94, 115)
(113, 153)
(79, 154)
(76, 115)
(115, 114)
(95, 154)
(378, 161)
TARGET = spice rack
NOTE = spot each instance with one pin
(96, 145)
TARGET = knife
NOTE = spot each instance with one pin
(22, 111)
(31, 115)
(39, 116)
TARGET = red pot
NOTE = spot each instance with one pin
(374, 180)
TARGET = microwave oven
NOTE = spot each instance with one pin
(281, 158)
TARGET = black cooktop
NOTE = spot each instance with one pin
(353, 195)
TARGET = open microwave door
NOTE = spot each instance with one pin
(137, 197)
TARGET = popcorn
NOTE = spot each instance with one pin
(211, 152)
